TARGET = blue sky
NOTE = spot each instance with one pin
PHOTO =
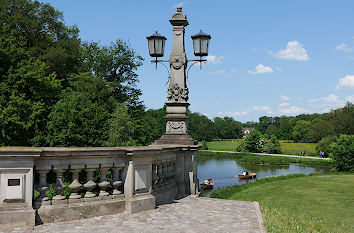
(266, 57)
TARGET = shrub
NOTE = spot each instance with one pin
(343, 153)
(241, 146)
(271, 145)
(325, 144)
(204, 145)
(252, 141)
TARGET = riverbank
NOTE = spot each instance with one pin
(300, 203)
(262, 159)
(286, 146)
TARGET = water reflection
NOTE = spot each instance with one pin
(222, 171)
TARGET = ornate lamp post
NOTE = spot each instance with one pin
(177, 98)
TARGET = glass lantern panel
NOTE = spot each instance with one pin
(151, 47)
(196, 45)
(204, 46)
(158, 47)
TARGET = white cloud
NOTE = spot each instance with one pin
(220, 72)
(331, 98)
(284, 105)
(261, 69)
(234, 70)
(284, 98)
(312, 101)
(346, 83)
(293, 51)
(350, 98)
(343, 47)
(233, 113)
(215, 59)
(261, 108)
(292, 110)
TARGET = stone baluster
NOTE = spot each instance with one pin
(168, 173)
(42, 188)
(75, 185)
(59, 188)
(164, 173)
(160, 174)
(173, 171)
(116, 181)
(90, 184)
(103, 184)
(155, 177)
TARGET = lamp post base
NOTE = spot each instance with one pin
(176, 139)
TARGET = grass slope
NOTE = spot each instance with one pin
(300, 203)
(286, 147)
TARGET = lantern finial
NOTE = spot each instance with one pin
(179, 9)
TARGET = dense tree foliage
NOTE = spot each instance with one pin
(343, 153)
(56, 90)
(256, 142)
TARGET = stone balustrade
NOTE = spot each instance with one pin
(59, 184)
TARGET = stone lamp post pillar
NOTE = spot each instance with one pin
(177, 98)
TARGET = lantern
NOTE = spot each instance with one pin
(156, 43)
(201, 44)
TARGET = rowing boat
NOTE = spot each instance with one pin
(249, 176)
(206, 186)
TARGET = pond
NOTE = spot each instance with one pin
(223, 171)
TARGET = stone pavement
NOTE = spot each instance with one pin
(190, 214)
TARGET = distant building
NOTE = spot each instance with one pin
(246, 131)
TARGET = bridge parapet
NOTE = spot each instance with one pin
(59, 184)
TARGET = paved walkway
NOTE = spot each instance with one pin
(293, 156)
(190, 214)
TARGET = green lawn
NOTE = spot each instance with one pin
(300, 203)
(286, 147)
(291, 148)
(264, 159)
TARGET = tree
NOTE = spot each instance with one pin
(157, 121)
(200, 127)
(264, 123)
(343, 153)
(120, 127)
(342, 119)
(252, 141)
(88, 115)
(301, 130)
(46, 36)
(271, 145)
(27, 93)
(320, 129)
(325, 144)
(116, 63)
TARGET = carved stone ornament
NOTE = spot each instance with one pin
(178, 61)
(176, 127)
(175, 93)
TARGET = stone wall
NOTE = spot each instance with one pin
(105, 180)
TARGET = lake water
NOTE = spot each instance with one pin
(222, 171)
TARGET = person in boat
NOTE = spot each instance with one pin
(211, 182)
(206, 181)
(245, 173)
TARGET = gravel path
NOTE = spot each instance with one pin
(190, 214)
